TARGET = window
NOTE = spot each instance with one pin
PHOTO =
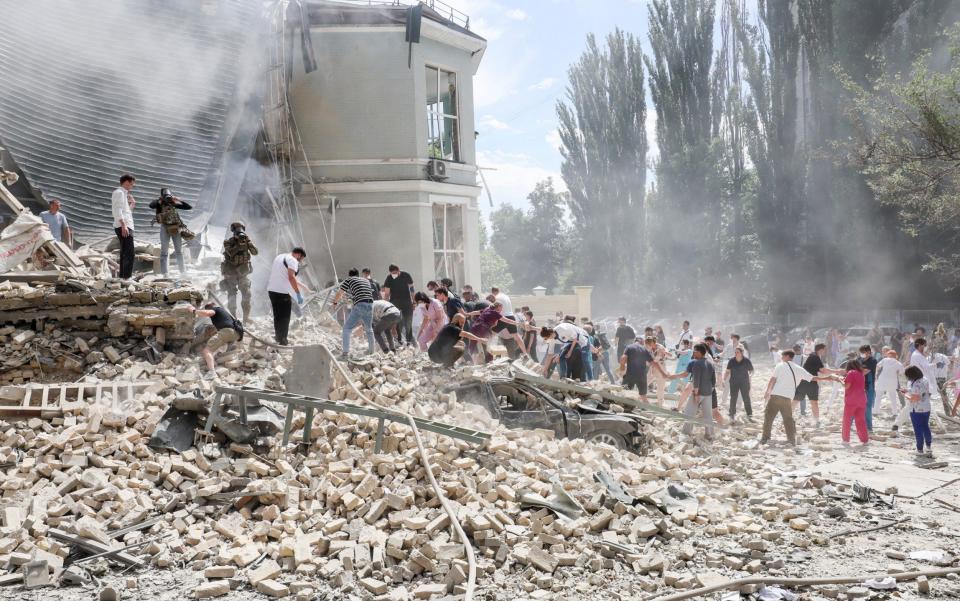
(443, 125)
(448, 242)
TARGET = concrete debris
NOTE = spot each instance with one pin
(549, 517)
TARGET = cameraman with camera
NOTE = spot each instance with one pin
(171, 227)
(236, 268)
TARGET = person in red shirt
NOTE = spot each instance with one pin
(855, 403)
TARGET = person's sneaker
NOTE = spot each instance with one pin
(846, 443)
(750, 418)
(896, 428)
(929, 454)
(343, 357)
(816, 425)
(209, 375)
(919, 453)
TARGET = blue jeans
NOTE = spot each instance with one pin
(587, 355)
(921, 428)
(165, 250)
(871, 396)
(605, 363)
(360, 312)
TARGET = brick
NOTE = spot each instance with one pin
(208, 590)
(272, 588)
(266, 570)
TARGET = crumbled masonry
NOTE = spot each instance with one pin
(335, 518)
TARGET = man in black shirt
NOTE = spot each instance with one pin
(446, 348)
(811, 390)
(214, 329)
(633, 365)
(398, 289)
(451, 304)
(624, 336)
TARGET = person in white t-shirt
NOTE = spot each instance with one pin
(283, 287)
(781, 390)
(889, 370)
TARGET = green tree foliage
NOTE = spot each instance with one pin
(604, 149)
(909, 149)
(681, 36)
(494, 270)
(534, 243)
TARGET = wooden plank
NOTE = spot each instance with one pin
(44, 396)
(26, 397)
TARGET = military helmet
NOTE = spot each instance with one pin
(237, 225)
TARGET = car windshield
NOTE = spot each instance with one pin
(857, 332)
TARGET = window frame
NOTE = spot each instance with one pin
(449, 257)
(439, 117)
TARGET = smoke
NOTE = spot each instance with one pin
(157, 88)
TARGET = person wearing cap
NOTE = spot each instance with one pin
(57, 222)
(168, 207)
(236, 267)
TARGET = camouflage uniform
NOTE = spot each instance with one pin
(236, 270)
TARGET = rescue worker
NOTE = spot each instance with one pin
(236, 268)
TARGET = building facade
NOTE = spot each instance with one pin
(375, 118)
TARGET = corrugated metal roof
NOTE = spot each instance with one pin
(94, 89)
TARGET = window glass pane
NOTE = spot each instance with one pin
(451, 141)
(440, 266)
(432, 81)
(434, 139)
(454, 228)
(448, 92)
(438, 226)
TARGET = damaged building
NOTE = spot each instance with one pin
(317, 122)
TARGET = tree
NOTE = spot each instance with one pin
(494, 270)
(604, 147)
(909, 149)
(533, 243)
(681, 87)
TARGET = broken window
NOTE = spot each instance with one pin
(443, 126)
(448, 242)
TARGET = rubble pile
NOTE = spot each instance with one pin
(549, 518)
(56, 329)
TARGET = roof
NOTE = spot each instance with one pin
(331, 12)
(100, 88)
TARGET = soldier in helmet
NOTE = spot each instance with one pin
(236, 268)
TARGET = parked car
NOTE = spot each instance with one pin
(519, 405)
(857, 336)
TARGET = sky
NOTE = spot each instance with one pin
(531, 43)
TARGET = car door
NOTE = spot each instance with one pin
(523, 407)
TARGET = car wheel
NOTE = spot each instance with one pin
(607, 437)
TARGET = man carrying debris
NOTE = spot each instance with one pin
(122, 203)
(236, 268)
(386, 318)
(361, 295)
(447, 347)
(781, 390)
(215, 328)
(57, 222)
(283, 287)
(168, 207)
(398, 289)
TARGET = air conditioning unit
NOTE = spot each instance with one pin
(437, 169)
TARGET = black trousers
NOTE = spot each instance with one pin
(740, 388)
(407, 313)
(126, 254)
(282, 306)
(383, 331)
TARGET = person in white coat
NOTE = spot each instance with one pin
(889, 370)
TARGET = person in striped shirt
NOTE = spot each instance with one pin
(361, 295)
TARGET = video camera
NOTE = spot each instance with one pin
(166, 196)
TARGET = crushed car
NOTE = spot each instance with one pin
(521, 405)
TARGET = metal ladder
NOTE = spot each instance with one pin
(310, 404)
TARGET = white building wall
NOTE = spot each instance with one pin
(362, 118)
